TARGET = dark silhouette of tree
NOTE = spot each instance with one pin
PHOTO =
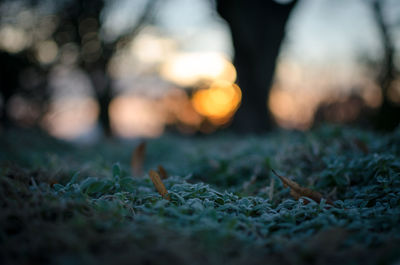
(257, 28)
(388, 116)
(21, 76)
(10, 68)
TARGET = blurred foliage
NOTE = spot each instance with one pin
(68, 204)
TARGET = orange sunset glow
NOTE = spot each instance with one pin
(218, 102)
(299, 91)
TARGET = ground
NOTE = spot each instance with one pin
(79, 204)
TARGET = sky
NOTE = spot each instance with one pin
(321, 30)
(318, 31)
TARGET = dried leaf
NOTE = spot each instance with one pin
(137, 160)
(361, 145)
(298, 191)
(163, 173)
(159, 184)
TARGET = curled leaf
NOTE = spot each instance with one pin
(298, 191)
(137, 160)
(155, 178)
(361, 145)
(163, 173)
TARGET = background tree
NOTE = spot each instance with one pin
(82, 20)
(24, 80)
(77, 23)
(388, 116)
(257, 28)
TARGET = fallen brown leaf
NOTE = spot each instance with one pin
(298, 191)
(155, 178)
(361, 145)
(163, 172)
(137, 160)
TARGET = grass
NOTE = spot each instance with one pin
(66, 204)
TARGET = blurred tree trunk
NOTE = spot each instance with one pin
(257, 28)
(103, 91)
(95, 65)
(388, 116)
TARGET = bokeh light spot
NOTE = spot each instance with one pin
(70, 118)
(188, 69)
(218, 102)
(13, 39)
(134, 116)
(46, 51)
